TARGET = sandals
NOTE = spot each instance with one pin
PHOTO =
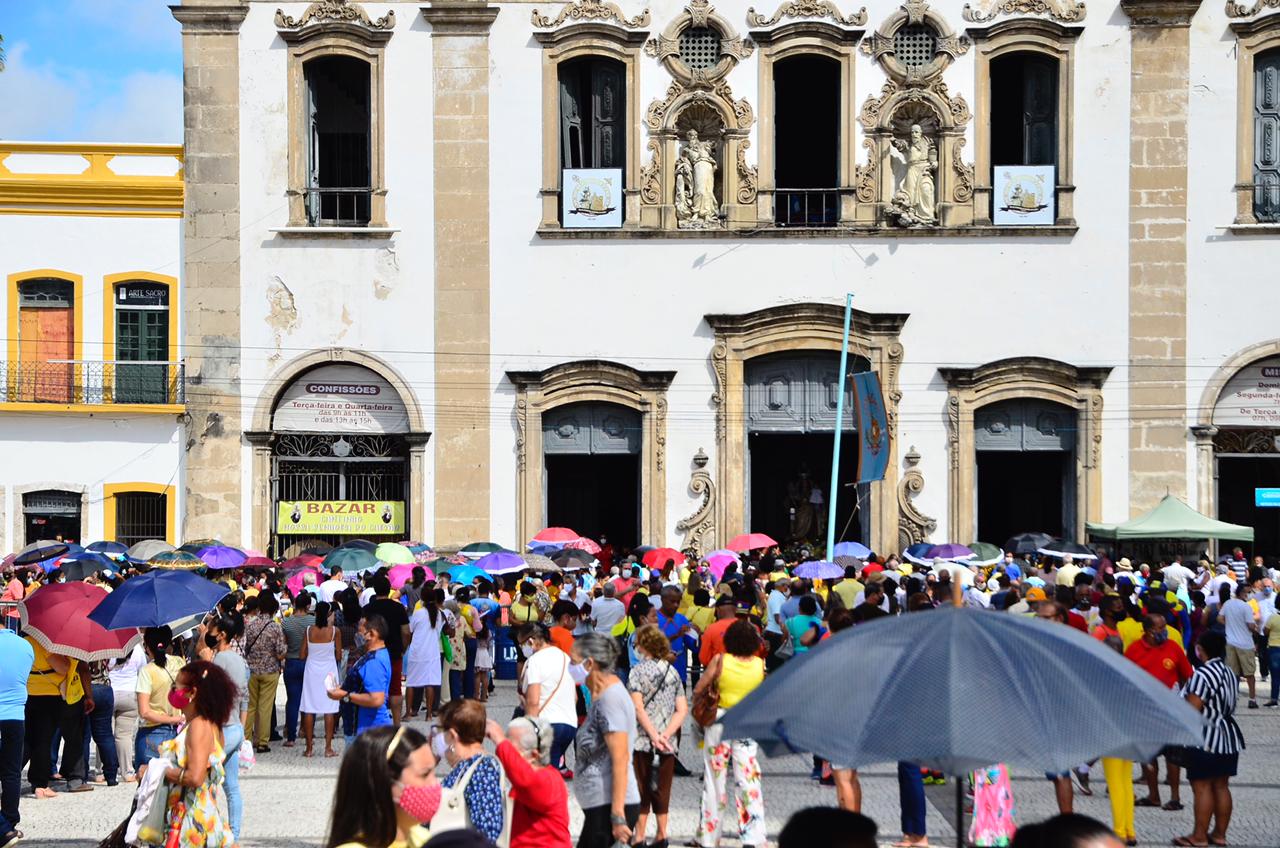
(1185, 842)
(1146, 802)
(1172, 806)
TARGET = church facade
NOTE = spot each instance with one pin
(493, 267)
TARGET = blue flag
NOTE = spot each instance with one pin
(873, 427)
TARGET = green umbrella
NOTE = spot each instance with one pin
(475, 550)
(394, 554)
(984, 553)
(350, 560)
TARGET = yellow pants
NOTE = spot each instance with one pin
(262, 697)
(1119, 774)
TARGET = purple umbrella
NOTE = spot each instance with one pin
(222, 556)
(951, 552)
(502, 562)
(819, 569)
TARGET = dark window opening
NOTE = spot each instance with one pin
(592, 110)
(51, 514)
(1266, 137)
(806, 96)
(1024, 110)
(139, 516)
(339, 187)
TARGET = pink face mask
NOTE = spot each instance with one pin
(421, 802)
(179, 698)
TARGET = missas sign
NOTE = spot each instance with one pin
(1251, 398)
(341, 399)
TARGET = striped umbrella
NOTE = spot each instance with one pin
(58, 618)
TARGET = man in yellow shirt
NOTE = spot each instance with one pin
(848, 588)
(57, 697)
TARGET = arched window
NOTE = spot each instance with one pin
(339, 133)
(1024, 109)
(1266, 137)
(592, 111)
(807, 140)
(46, 337)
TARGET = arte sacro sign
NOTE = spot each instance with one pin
(341, 399)
(1251, 398)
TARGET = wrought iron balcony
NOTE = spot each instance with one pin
(72, 381)
(806, 207)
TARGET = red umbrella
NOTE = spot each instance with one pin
(257, 562)
(750, 542)
(557, 534)
(302, 560)
(57, 617)
(658, 557)
(582, 543)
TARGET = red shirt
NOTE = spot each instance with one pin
(1167, 663)
(1077, 621)
(713, 640)
(540, 812)
(562, 639)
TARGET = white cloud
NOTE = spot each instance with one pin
(49, 103)
(144, 21)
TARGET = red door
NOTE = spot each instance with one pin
(45, 336)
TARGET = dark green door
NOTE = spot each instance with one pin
(142, 336)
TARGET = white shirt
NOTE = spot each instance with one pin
(549, 669)
(1176, 574)
(1215, 586)
(1237, 616)
(330, 588)
(124, 675)
(606, 612)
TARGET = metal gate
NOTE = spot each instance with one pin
(139, 516)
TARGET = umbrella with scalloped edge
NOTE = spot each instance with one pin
(582, 543)
(176, 561)
(143, 551)
(58, 618)
(501, 562)
(751, 542)
(222, 556)
(40, 551)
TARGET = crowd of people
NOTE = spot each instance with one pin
(615, 665)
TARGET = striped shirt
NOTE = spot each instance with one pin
(1217, 686)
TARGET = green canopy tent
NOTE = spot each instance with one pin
(1171, 519)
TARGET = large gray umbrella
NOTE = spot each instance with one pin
(982, 683)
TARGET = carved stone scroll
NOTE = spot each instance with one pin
(1061, 12)
(592, 10)
(651, 176)
(335, 10)
(914, 526)
(699, 529)
(1239, 10)
(807, 9)
(962, 192)
(747, 175)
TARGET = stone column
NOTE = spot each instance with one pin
(211, 271)
(460, 151)
(1160, 51)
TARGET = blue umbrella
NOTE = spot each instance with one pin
(359, 544)
(465, 573)
(40, 551)
(86, 563)
(916, 554)
(545, 548)
(881, 682)
(158, 597)
(819, 569)
(115, 549)
(501, 562)
(853, 549)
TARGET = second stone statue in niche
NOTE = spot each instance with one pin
(695, 188)
(913, 201)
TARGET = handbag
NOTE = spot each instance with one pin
(452, 813)
(706, 695)
(446, 647)
(786, 650)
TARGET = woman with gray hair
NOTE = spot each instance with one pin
(540, 801)
(605, 783)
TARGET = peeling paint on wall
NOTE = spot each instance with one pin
(283, 314)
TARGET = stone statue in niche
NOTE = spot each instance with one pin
(695, 190)
(914, 193)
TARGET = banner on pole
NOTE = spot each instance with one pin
(873, 427)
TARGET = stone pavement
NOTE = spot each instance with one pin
(288, 798)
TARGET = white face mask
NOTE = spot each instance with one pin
(439, 745)
(578, 672)
(526, 650)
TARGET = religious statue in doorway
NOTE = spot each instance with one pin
(914, 195)
(800, 507)
(695, 189)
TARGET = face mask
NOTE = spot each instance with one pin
(578, 672)
(420, 802)
(179, 699)
(1160, 638)
(211, 640)
(439, 746)
(359, 639)
(526, 650)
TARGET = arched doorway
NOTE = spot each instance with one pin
(1246, 449)
(791, 416)
(1025, 463)
(591, 461)
(338, 454)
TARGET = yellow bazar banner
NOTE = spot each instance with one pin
(360, 518)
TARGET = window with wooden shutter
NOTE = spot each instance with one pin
(1266, 137)
(592, 109)
(1024, 110)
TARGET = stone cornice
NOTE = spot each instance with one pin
(1038, 26)
(874, 323)
(1160, 13)
(594, 370)
(1034, 368)
(1063, 12)
(460, 17)
(215, 20)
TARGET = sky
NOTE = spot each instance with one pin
(91, 70)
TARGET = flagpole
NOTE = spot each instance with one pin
(841, 379)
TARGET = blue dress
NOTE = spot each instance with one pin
(485, 803)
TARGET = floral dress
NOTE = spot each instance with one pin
(200, 825)
(993, 809)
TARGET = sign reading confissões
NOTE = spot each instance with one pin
(355, 518)
(340, 399)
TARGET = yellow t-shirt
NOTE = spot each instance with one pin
(701, 617)
(155, 683)
(848, 591)
(522, 613)
(45, 681)
(738, 677)
(1273, 630)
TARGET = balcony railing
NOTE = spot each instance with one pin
(806, 207)
(71, 381)
(339, 207)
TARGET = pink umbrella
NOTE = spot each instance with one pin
(403, 573)
(582, 543)
(718, 561)
(750, 542)
(557, 534)
(294, 583)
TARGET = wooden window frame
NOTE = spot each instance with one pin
(1252, 38)
(1024, 35)
(111, 490)
(77, 324)
(109, 284)
(600, 41)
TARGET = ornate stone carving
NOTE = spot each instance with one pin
(1239, 10)
(1245, 441)
(892, 364)
(522, 421)
(747, 175)
(335, 10)
(1095, 420)
(963, 190)
(953, 431)
(699, 14)
(657, 111)
(864, 176)
(695, 184)
(807, 9)
(914, 198)
(592, 10)
(1062, 12)
(651, 176)
(699, 528)
(914, 526)
(660, 439)
(948, 45)
(719, 364)
(655, 116)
